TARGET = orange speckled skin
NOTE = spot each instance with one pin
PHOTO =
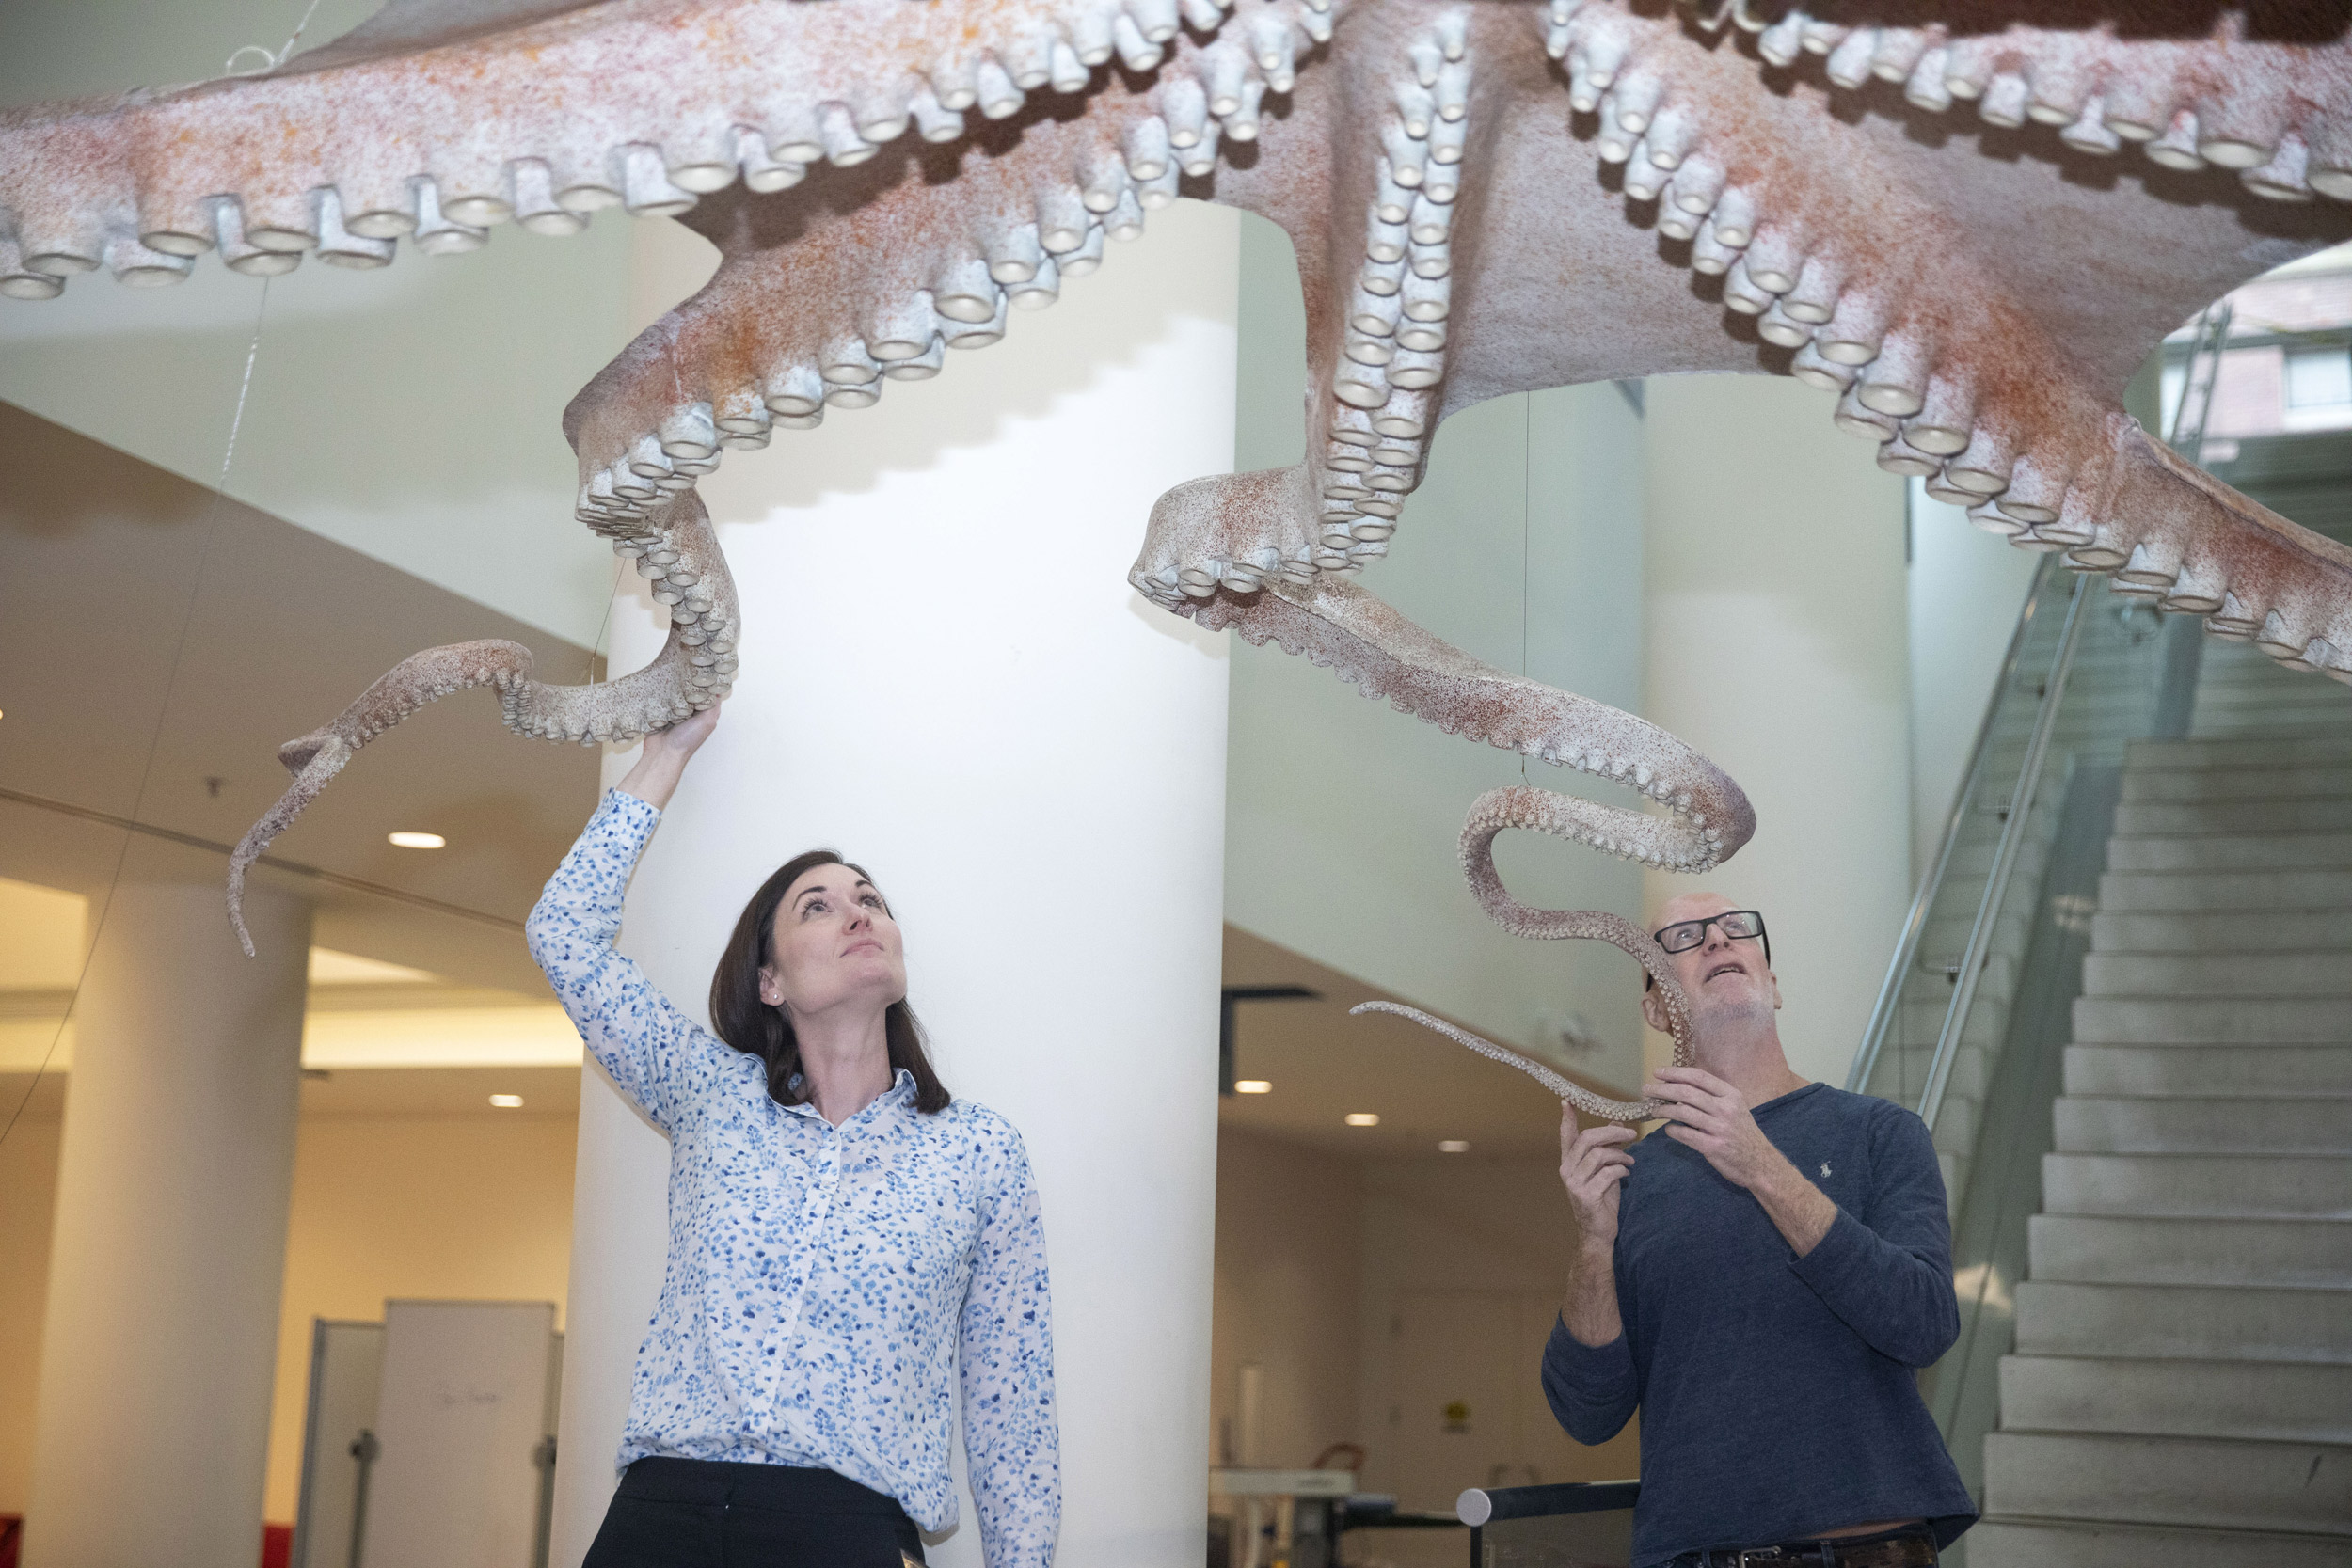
(1968, 222)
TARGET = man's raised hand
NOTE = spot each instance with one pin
(1592, 1163)
(1710, 1115)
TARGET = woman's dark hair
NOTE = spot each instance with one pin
(738, 1017)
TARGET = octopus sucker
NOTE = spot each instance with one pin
(1966, 232)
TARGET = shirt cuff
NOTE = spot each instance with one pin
(1589, 1367)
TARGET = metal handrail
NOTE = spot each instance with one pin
(1916, 924)
(2003, 861)
(2191, 417)
(1485, 1505)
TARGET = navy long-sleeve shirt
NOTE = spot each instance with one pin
(1776, 1392)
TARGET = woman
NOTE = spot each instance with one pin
(841, 1233)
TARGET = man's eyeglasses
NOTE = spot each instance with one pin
(1686, 934)
(1683, 935)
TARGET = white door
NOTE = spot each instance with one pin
(461, 1418)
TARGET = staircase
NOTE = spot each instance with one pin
(2180, 1394)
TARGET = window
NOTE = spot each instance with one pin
(2319, 378)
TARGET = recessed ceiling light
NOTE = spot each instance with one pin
(507, 1101)
(418, 841)
(1454, 1146)
(1253, 1086)
(1363, 1118)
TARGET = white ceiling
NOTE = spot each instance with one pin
(1323, 1064)
(157, 644)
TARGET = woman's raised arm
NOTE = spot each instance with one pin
(663, 755)
(642, 1041)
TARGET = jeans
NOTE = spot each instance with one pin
(703, 1513)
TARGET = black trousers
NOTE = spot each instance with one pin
(703, 1513)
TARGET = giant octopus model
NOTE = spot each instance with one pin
(1966, 229)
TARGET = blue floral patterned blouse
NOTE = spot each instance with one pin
(823, 1282)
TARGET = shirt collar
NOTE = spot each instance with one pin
(901, 1092)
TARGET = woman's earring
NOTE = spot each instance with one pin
(792, 1085)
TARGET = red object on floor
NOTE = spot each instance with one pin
(276, 1542)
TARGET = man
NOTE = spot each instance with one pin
(1760, 1281)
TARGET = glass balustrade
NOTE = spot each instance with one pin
(1976, 1011)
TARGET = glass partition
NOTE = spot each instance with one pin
(1976, 1008)
(1569, 1525)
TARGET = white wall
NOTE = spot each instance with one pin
(412, 413)
(1777, 645)
(1523, 547)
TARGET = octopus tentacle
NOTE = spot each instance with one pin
(695, 669)
(1336, 624)
(1575, 1094)
(1373, 416)
(1564, 817)
(423, 126)
(2271, 110)
(1957, 379)
(821, 304)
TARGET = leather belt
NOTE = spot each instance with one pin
(1912, 1548)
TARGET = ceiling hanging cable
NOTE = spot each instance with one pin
(163, 710)
(1526, 525)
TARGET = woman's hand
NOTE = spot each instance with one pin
(661, 760)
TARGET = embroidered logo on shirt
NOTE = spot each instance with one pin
(1825, 1167)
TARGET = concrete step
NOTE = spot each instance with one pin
(2110, 1124)
(2110, 1250)
(2270, 719)
(2073, 1543)
(2199, 892)
(1908, 1066)
(2280, 972)
(2056, 1316)
(2282, 1402)
(2232, 851)
(2245, 699)
(2212, 1072)
(2284, 814)
(2228, 931)
(2240, 685)
(2187, 1021)
(2143, 756)
(2301, 1488)
(1957, 1121)
(2234, 783)
(1985, 1027)
(2215, 1186)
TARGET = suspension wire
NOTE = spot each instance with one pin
(588, 675)
(270, 61)
(163, 711)
(1527, 527)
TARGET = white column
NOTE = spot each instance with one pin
(174, 1178)
(946, 677)
(1776, 642)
